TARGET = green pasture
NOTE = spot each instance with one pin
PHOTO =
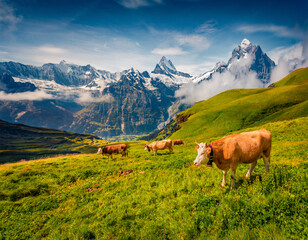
(158, 197)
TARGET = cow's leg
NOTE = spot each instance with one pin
(252, 166)
(266, 161)
(233, 170)
(224, 174)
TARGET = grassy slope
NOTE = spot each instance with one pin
(19, 141)
(165, 196)
(241, 108)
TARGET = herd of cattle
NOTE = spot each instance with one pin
(227, 153)
(154, 146)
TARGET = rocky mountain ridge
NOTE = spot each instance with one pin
(259, 62)
(85, 99)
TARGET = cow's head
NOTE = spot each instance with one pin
(146, 147)
(203, 153)
(99, 151)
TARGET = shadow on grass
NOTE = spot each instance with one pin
(248, 181)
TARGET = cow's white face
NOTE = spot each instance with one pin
(202, 154)
(99, 151)
(146, 148)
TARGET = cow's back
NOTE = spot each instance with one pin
(164, 144)
(251, 145)
(244, 147)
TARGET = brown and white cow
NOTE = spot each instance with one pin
(114, 149)
(228, 152)
(178, 142)
(160, 145)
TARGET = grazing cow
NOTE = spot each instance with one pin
(178, 142)
(160, 145)
(228, 152)
(114, 149)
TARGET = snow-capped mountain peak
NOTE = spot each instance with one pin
(165, 63)
(63, 62)
(219, 65)
(244, 55)
(167, 68)
(245, 44)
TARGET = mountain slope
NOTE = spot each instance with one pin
(241, 108)
(19, 141)
(139, 105)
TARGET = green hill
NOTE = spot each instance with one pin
(19, 141)
(238, 109)
(144, 196)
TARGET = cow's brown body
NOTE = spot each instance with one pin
(178, 142)
(160, 145)
(114, 149)
(233, 150)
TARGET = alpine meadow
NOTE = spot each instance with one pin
(153, 119)
(142, 196)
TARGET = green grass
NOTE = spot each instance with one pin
(22, 142)
(158, 197)
(88, 196)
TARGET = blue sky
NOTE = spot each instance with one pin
(118, 34)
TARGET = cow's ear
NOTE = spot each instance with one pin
(208, 150)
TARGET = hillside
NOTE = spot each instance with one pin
(19, 141)
(238, 109)
(144, 196)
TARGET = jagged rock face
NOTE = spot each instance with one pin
(134, 110)
(8, 85)
(261, 63)
(62, 73)
(140, 101)
(167, 68)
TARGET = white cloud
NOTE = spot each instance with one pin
(207, 27)
(88, 97)
(197, 68)
(8, 18)
(51, 50)
(169, 51)
(133, 4)
(238, 76)
(289, 59)
(195, 41)
(281, 31)
(25, 96)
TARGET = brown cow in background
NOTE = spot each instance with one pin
(160, 145)
(114, 149)
(178, 142)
